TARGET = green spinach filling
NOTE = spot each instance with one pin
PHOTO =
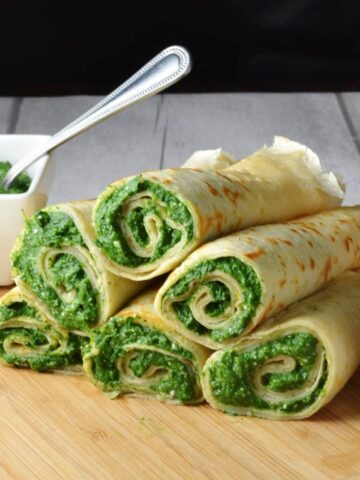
(162, 204)
(68, 292)
(193, 281)
(21, 183)
(35, 338)
(176, 378)
(231, 377)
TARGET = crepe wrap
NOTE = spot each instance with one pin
(294, 364)
(147, 224)
(137, 354)
(227, 287)
(54, 261)
(27, 339)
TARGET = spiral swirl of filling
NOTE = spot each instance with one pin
(285, 374)
(26, 340)
(54, 263)
(215, 298)
(126, 356)
(142, 222)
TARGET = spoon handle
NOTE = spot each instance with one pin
(164, 70)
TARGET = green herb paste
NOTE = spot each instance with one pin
(111, 343)
(55, 229)
(192, 281)
(20, 185)
(231, 377)
(52, 358)
(163, 204)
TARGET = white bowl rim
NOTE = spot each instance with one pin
(42, 162)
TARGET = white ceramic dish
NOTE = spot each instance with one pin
(14, 207)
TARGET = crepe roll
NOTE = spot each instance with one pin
(227, 287)
(135, 353)
(148, 223)
(27, 339)
(294, 364)
(55, 262)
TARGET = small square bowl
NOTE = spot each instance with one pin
(14, 208)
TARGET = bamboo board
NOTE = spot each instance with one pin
(55, 427)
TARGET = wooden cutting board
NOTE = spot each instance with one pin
(54, 427)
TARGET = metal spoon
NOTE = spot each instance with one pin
(168, 67)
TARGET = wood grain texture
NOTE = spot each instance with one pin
(56, 427)
(125, 144)
(243, 122)
(8, 114)
(350, 105)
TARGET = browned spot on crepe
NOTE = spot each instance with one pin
(282, 261)
(212, 190)
(327, 269)
(205, 223)
(255, 254)
(232, 196)
(220, 219)
(273, 241)
(300, 264)
(287, 242)
(348, 241)
(310, 227)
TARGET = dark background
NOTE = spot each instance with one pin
(70, 48)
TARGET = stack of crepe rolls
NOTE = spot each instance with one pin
(55, 262)
(223, 290)
(77, 264)
(27, 339)
(294, 364)
(63, 287)
(147, 224)
(136, 353)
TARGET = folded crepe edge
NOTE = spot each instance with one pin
(217, 159)
(331, 183)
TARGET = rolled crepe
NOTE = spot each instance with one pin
(27, 339)
(227, 287)
(147, 224)
(136, 354)
(54, 260)
(294, 364)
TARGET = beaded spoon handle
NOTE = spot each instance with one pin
(168, 67)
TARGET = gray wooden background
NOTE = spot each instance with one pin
(165, 130)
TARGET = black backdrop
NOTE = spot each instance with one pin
(77, 47)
